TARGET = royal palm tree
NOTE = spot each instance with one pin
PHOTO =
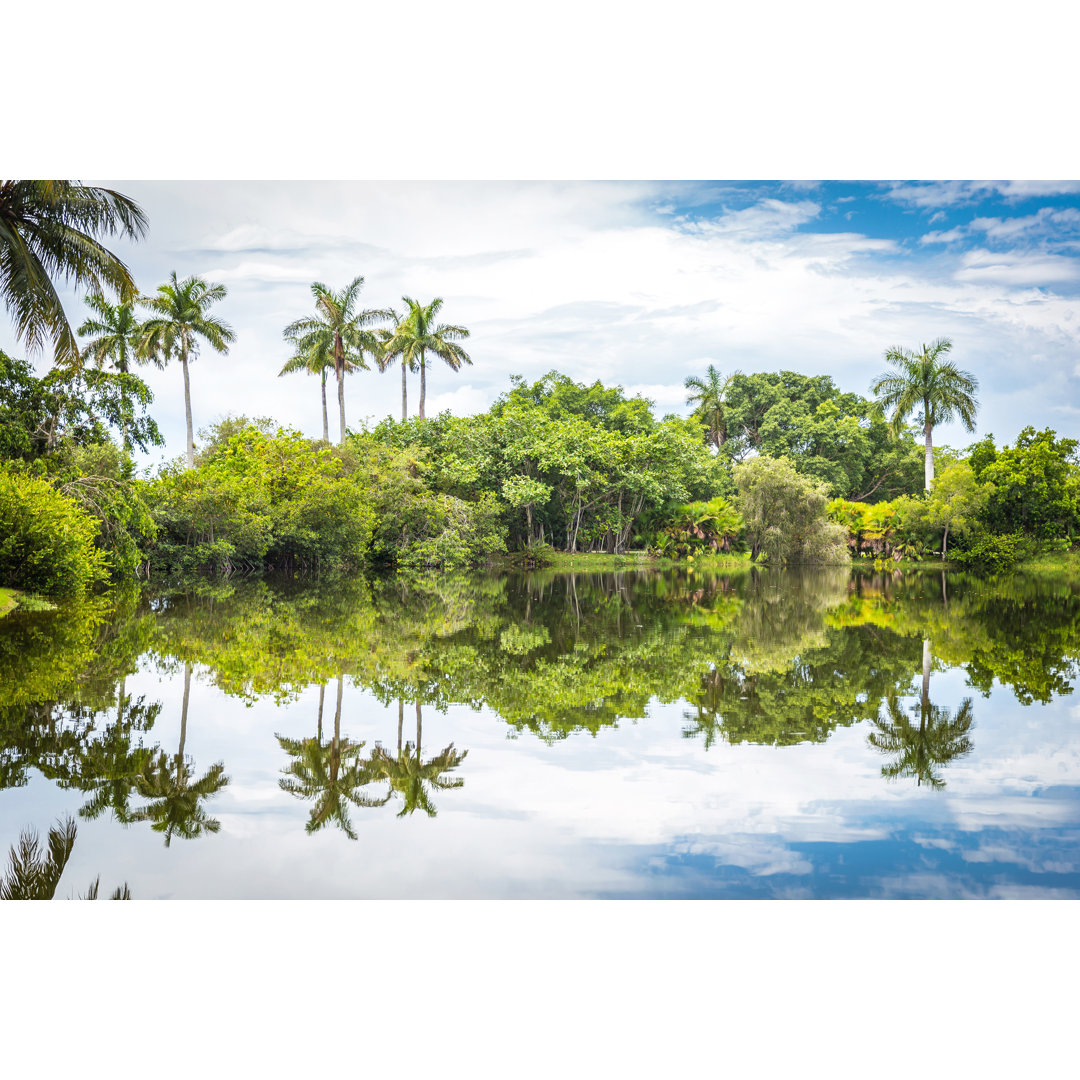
(931, 387)
(939, 738)
(48, 230)
(331, 774)
(410, 776)
(113, 332)
(311, 355)
(416, 335)
(180, 321)
(708, 395)
(175, 796)
(340, 330)
(384, 360)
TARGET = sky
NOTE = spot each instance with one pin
(631, 282)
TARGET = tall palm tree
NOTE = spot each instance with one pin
(939, 739)
(175, 807)
(339, 329)
(113, 332)
(417, 335)
(933, 388)
(48, 230)
(331, 774)
(410, 776)
(315, 358)
(708, 394)
(180, 320)
(384, 360)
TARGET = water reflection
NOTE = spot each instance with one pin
(556, 663)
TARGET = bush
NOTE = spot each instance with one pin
(47, 541)
(995, 554)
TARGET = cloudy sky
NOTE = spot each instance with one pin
(630, 282)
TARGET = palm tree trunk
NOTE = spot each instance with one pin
(418, 720)
(341, 401)
(927, 661)
(929, 457)
(400, 722)
(183, 713)
(187, 410)
(404, 393)
(423, 383)
(325, 421)
(322, 694)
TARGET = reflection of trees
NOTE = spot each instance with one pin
(33, 873)
(410, 776)
(175, 795)
(939, 738)
(331, 773)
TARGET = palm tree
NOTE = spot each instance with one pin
(329, 773)
(709, 394)
(416, 335)
(114, 338)
(47, 231)
(181, 320)
(315, 358)
(933, 388)
(410, 776)
(384, 360)
(175, 797)
(339, 330)
(939, 739)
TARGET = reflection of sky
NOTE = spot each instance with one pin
(636, 811)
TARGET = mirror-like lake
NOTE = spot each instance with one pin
(640, 734)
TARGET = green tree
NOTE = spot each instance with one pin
(49, 230)
(785, 514)
(416, 335)
(113, 332)
(339, 331)
(180, 318)
(929, 386)
(313, 356)
(385, 359)
(955, 501)
(708, 397)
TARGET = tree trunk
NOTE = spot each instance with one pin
(423, 383)
(187, 410)
(944, 543)
(929, 456)
(927, 662)
(325, 419)
(400, 722)
(322, 695)
(183, 715)
(341, 402)
(418, 726)
(404, 393)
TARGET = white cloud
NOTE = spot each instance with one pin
(937, 193)
(948, 237)
(1012, 268)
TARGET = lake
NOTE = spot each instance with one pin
(647, 734)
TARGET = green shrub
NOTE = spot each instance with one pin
(995, 554)
(47, 541)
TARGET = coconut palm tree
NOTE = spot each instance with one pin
(180, 320)
(48, 230)
(416, 335)
(931, 387)
(113, 332)
(175, 796)
(312, 356)
(339, 329)
(708, 394)
(410, 776)
(331, 774)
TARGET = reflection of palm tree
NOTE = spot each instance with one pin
(167, 781)
(410, 776)
(329, 773)
(939, 738)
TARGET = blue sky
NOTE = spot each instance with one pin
(632, 282)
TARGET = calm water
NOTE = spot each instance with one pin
(608, 735)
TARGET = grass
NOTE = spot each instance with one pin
(9, 598)
(635, 560)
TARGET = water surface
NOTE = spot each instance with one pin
(650, 734)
